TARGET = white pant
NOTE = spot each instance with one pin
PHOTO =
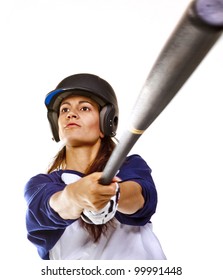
(123, 242)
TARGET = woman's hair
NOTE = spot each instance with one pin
(105, 150)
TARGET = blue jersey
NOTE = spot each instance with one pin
(45, 227)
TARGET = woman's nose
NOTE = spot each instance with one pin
(71, 115)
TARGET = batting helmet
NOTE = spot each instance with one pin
(92, 87)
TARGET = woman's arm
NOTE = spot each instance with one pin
(136, 171)
(131, 198)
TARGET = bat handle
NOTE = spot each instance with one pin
(118, 156)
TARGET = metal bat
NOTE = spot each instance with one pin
(198, 30)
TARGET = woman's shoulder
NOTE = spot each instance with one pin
(43, 181)
(134, 160)
(134, 166)
(54, 176)
(46, 177)
(134, 157)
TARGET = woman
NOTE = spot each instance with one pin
(70, 214)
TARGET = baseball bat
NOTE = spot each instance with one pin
(195, 34)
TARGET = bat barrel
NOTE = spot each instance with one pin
(187, 46)
(196, 33)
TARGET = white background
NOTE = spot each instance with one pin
(44, 41)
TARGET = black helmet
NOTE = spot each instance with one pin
(90, 86)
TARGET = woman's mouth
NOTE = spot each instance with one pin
(72, 124)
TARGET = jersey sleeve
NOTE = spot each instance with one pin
(136, 169)
(44, 225)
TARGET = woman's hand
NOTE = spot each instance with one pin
(85, 193)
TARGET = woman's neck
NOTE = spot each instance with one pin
(80, 158)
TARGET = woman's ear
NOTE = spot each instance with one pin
(101, 135)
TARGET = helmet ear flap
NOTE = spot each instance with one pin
(108, 120)
(53, 120)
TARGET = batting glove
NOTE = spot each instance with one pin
(105, 214)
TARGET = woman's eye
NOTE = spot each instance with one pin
(64, 110)
(85, 108)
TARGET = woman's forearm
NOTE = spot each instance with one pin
(131, 198)
(61, 203)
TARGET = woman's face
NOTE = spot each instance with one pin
(79, 121)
